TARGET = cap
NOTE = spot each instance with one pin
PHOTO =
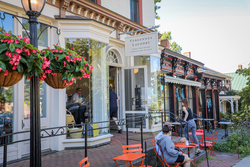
(168, 124)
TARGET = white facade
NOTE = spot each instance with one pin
(55, 100)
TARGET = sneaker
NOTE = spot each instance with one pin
(120, 131)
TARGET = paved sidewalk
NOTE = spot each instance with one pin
(244, 162)
(222, 160)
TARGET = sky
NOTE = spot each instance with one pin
(216, 32)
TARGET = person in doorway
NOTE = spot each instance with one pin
(113, 101)
(77, 96)
(190, 125)
(170, 154)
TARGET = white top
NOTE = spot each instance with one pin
(175, 123)
(75, 96)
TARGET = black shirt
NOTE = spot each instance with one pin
(190, 114)
(112, 99)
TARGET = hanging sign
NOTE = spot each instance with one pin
(141, 45)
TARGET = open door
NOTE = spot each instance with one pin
(135, 95)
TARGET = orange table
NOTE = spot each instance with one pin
(191, 145)
(197, 133)
(130, 157)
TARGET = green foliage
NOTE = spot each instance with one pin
(172, 45)
(17, 54)
(232, 92)
(231, 144)
(157, 8)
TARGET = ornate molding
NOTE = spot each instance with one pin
(72, 7)
(186, 65)
(174, 64)
(79, 10)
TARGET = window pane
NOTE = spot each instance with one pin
(134, 13)
(7, 24)
(43, 40)
(93, 1)
(42, 87)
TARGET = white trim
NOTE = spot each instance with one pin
(181, 81)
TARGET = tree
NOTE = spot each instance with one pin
(172, 45)
(245, 93)
(156, 8)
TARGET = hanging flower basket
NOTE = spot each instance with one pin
(10, 79)
(17, 58)
(55, 81)
(63, 66)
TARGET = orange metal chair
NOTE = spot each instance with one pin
(132, 148)
(159, 157)
(176, 134)
(209, 144)
(82, 162)
(169, 164)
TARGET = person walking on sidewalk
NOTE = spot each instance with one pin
(113, 101)
(190, 125)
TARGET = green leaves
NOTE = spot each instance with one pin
(3, 66)
(20, 68)
(3, 57)
(3, 47)
(12, 47)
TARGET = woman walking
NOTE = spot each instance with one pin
(190, 123)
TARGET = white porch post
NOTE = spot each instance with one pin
(232, 106)
(237, 107)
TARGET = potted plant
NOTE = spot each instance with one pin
(17, 58)
(65, 65)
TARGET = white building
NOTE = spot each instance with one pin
(92, 27)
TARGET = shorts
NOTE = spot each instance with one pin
(180, 158)
(113, 112)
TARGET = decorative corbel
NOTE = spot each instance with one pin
(128, 29)
(113, 24)
(108, 22)
(124, 28)
(91, 15)
(119, 27)
(98, 17)
(162, 58)
(53, 2)
(72, 7)
(79, 10)
(174, 64)
(85, 13)
(186, 64)
(103, 19)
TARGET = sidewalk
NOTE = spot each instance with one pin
(222, 160)
(244, 162)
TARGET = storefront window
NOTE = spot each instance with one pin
(42, 88)
(43, 39)
(87, 99)
(6, 93)
(155, 103)
(179, 94)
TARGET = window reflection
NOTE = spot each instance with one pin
(42, 88)
(7, 24)
(43, 39)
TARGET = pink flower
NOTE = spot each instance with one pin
(56, 50)
(80, 78)
(84, 58)
(18, 50)
(48, 71)
(91, 67)
(8, 54)
(27, 40)
(16, 41)
(2, 40)
(48, 47)
(19, 36)
(61, 51)
(30, 77)
(6, 72)
(73, 48)
(57, 44)
(6, 34)
(51, 51)
(53, 73)
(14, 68)
(34, 50)
(0, 69)
(56, 57)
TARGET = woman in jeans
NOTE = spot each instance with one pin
(190, 123)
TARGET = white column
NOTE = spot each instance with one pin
(232, 106)
(237, 107)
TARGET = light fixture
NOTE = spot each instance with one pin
(136, 70)
(33, 7)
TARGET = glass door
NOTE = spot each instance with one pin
(135, 95)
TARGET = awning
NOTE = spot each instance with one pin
(182, 81)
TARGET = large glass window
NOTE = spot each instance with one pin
(42, 88)
(87, 99)
(43, 39)
(179, 94)
(134, 11)
(6, 93)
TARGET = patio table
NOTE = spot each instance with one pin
(130, 157)
(190, 146)
(178, 124)
(208, 128)
(226, 131)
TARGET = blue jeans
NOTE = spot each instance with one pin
(191, 125)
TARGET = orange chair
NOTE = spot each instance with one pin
(159, 157)
(135, 148)
(83, 162)
(209, 144)
(169, 164)
(176, 134)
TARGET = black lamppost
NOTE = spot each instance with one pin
(33, 9)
